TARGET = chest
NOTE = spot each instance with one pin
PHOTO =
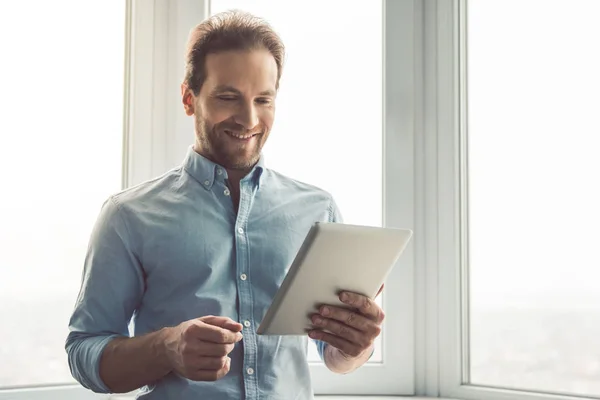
(205, 246)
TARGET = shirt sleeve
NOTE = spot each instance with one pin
(335, 214)
(111, 289)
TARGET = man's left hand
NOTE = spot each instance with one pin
(353, 331)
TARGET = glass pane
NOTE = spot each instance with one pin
(534, 174)
(330, 103)
(60, 157)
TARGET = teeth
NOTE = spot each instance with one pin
(238, 136)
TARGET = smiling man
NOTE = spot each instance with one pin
(196, 255)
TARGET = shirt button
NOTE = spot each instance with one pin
(240, 230)
(250, 371)
(227, 192)
(219, 171)
(243, 277)
(207, 183)
(247, 324)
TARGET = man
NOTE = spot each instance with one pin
(197, 255)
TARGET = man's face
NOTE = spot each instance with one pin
(234, 111)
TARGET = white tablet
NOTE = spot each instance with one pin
(333, 257)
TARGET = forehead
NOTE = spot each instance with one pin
(249, 71)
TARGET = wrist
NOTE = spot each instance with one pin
(364, 355)
(161, 349)
(339, 362)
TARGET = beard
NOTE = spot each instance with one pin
(224, 150)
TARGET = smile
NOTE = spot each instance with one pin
(240, 137)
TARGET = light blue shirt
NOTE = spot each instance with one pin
(174, 249)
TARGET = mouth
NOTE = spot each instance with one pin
(240, 137)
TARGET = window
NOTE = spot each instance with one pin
(61, 156)
(533, 205)
(525, 318)
(334, 122)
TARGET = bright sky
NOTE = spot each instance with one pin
(60, 136)
(534, 137)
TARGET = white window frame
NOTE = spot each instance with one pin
(157, 132)
(395, 375)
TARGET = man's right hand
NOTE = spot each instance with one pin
(198, 349)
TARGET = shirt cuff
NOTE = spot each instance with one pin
(321, 349)
(84, 361)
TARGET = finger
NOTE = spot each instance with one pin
(210, 375)
(337, 342)
(349, 317)
(365, 305)
(223, 322)
(344, 331)
(211, 363)
(210, 333)
(214, 350)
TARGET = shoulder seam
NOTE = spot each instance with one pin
(119, 212)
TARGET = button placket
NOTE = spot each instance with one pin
(246, 310)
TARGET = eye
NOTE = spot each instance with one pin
(227, 98)
(263, 100)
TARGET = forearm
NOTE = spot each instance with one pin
(130, 363)
(341, 364)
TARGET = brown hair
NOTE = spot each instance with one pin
(230, 30)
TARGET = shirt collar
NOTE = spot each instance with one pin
(206, 172)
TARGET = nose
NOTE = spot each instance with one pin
(247, 116)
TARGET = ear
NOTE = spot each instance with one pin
(187, 98)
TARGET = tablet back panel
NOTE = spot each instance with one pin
(332, 258)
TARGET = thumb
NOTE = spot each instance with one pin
(223, 322)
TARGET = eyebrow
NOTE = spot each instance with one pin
(269, 92)
(225, 88)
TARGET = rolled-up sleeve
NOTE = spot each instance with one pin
(111, 289)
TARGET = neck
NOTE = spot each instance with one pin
(233, 175)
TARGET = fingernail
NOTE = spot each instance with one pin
(325, 311)
(318, 321)
(313, 334)
(344, 297)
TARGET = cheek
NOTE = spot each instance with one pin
(214, 114)
(267, 117)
